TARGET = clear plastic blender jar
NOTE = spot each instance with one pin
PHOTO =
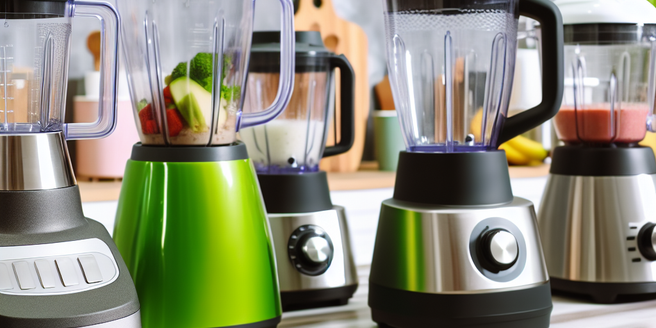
(609, 84)
(295, 141)
(35, 40)
(188, 62)
(451, 66)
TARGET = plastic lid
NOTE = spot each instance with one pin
(307, 42)
(32, 9)
(607, 11)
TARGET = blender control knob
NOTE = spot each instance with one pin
(647, 241)
(317, 250)
(500, 250)
(310, 250)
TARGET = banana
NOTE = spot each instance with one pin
(476, 124)
(514, 156)
(530, 148)
(649, 141)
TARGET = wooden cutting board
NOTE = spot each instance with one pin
(341, 37)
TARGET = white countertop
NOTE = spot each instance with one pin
(362, 208)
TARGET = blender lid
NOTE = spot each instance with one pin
(607, 11)
(32, 9)
(311, 54)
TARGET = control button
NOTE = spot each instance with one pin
(647, 241)
(310, 250)
(45, 273)
(24, 275)
(5, 279)
(67, 272)
(317, 250)
(90, 269)
(500, 250)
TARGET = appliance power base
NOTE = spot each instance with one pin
(606, 293)
(311, 299)
(523, 308)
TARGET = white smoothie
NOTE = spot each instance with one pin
(285, 143)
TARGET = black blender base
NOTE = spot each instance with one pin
(271, 323)
(311, 299)
(605, 293)
(392, 308)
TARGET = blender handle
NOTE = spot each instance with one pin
(287, 70)
(109, 36)
(553, 71)
(347, 106)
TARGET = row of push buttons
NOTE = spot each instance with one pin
(65, 268)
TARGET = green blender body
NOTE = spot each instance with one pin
(197, 262)
(191, 220)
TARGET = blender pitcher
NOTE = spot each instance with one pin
(187, 63)
(295, 141)
(451, 69)
(34, 59)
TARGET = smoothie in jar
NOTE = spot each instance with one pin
(592, 124)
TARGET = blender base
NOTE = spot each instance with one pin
(312, 299)
(530, 307)
(606, 293)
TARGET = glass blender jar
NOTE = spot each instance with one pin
(310, 234)
(453, 240)
(190, 208)
(53, 260)
(601, 177)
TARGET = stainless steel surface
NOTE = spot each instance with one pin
(589, 227)
(653, 239)
(317, 249)
(503, 247)
(133, 321)
(427, 249)
(342, 271)
(34, 161)
(69, 252)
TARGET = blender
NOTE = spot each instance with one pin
(191, 222)
(57, 268)
(597, 212)
(310, 234)
(454, 247)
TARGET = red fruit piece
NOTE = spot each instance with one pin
(145, 115)
(151, 127)
(175, 121)
(167, 93)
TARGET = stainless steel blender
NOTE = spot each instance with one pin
(454, 248)
(57, 268)
(310, 234)
(598, 211)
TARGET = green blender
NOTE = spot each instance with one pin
(191, 222)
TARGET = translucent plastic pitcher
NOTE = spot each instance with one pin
(451, 66)
(609, 84)
(187, 63)
(35, 39)
(295, 141)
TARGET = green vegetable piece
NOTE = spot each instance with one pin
(179, 71)
(142, 104)
(193, 102)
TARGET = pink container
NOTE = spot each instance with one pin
(104, 158)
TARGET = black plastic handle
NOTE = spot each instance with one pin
(553, 69)
(347, 108)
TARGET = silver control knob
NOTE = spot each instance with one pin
(647, 241)
(317, 250)
(503, 248)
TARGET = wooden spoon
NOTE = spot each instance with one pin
(93, 44)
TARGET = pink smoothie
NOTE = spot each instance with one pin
(594, 124)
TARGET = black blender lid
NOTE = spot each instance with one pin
(31, 9)
(607, 33)
(311, 54)
(307, 43)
